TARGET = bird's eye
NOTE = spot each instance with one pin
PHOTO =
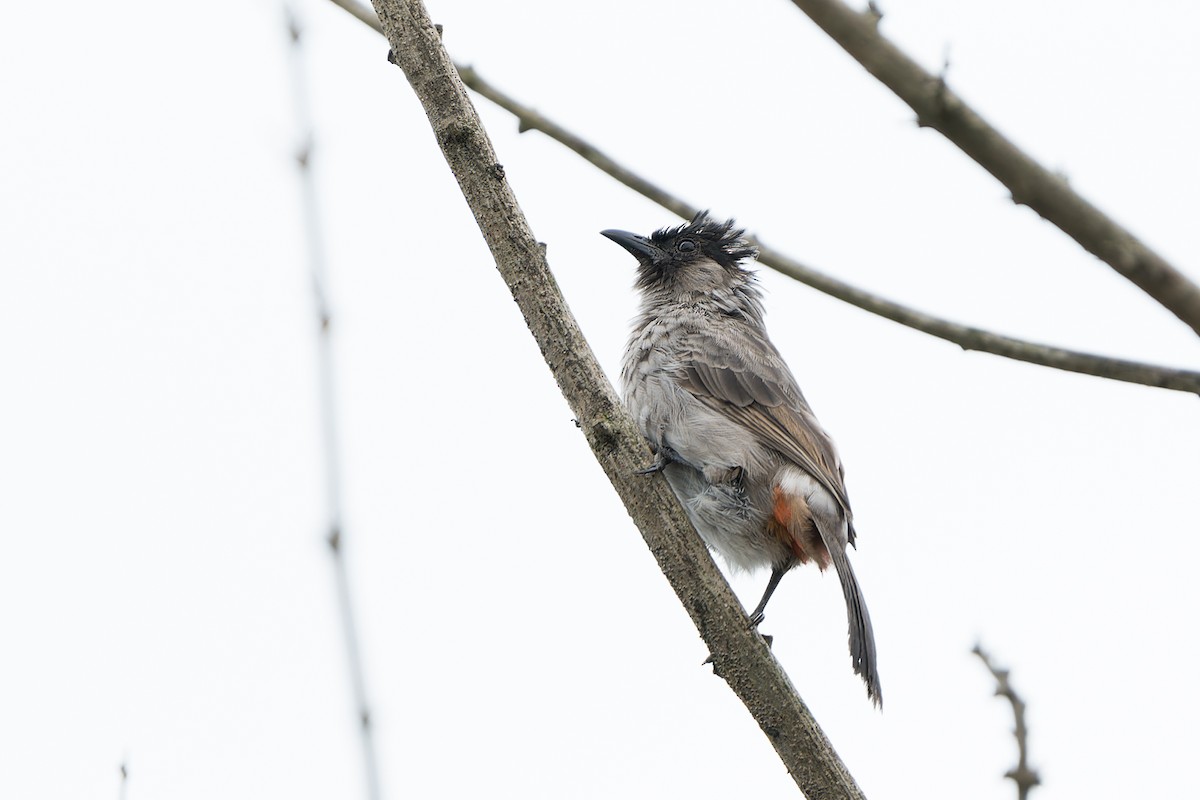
(686, 246)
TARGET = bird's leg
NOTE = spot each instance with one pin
(757, 616)
(662, 457)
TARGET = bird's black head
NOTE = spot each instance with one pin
(700, 255)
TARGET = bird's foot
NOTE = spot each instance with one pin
(661, 459)
(755, 620)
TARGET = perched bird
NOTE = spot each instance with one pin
(731, 431)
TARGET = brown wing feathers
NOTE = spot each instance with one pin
(764, 398)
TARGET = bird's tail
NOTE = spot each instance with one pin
(862, 636)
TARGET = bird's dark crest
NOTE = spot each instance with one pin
(723, 242)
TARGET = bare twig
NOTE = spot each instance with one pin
(1022, 775)
(360, 12)
(971, 338)
(124, 785)
(530, 120)
(1031, 184)
(965, 336)
(739, 654)
(329, 436)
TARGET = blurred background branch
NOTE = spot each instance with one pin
(335, 533)
(1024, 777)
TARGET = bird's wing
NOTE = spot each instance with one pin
(740, 374)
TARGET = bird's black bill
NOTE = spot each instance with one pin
(639, 246)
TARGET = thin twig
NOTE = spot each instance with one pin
(739, 654)
(361, 13)
(1021, 774)
(325, 388)
(1030, 183)
(965, 336)
(971, 338)
(530, 120)
(124, 785)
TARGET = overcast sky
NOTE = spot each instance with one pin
(168, 599)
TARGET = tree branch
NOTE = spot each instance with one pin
(739, 654)
(1021, 774)
(971, 338)
(1031, 184)
(965, 336)
(361, 13)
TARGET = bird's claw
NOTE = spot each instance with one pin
(661, 459)
(755, 620)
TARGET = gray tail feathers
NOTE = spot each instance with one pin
(862, 637)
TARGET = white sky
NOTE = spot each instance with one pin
(167, 596)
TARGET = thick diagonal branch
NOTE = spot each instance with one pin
(1030, 183)
(739, 654)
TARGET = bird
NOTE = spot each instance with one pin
(729, 428)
